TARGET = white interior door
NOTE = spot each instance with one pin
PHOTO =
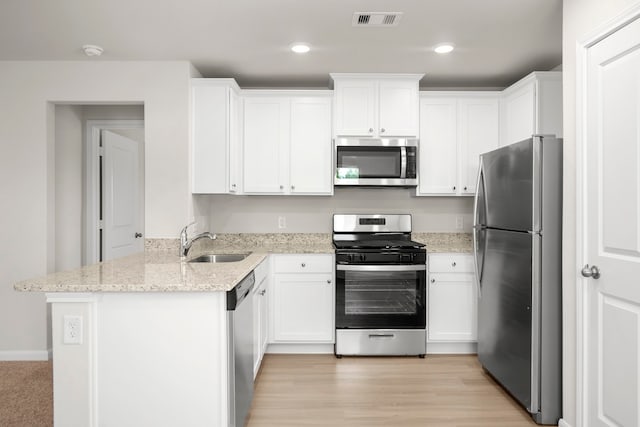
(122, 230)
(611, 235)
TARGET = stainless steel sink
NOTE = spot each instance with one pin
(220, 258)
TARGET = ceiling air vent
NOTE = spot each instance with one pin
(376, 19)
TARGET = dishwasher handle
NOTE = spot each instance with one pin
(240, 291)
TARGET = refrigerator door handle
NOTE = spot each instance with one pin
(479, 180)
(476, 226)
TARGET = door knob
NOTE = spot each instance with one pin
(138, 235)
(382, 130)
(593, 271)
(370, 130)
(433, 280)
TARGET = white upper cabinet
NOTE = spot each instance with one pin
(265, 138)
(310, 154)
(376, 105)
(438, 155)
(455, 128)
(214, 136)
(532, 106)
(287, 143)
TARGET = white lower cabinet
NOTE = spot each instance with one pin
(302, 300)
(260, 314)
(452, 304)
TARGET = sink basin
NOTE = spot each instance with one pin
(220, 258)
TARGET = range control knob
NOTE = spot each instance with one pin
(351, 257)
(363, 257)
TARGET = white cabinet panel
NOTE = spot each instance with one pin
(452, 307)
(452, 299)
(214, 136)
(311, 149)
(438, 146)
(303, 308)
(532, 106)
(260, 319)
(302, 299)
(479, 132)
(266, 122)
(287, 144)
(398, 108)
(355, 104)
(455, 128)
(376, 105)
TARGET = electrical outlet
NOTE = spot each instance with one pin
(459, 223)
(72, 329)
(282, 222)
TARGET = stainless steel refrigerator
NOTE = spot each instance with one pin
(517, 237)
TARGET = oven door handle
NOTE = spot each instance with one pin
(419, 267)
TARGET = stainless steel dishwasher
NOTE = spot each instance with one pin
(240, 347)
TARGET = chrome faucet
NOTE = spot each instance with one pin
(185, 242)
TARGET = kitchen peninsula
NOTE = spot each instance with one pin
(152, 346)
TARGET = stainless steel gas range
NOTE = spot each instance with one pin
(380, 286)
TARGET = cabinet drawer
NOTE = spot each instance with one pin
(451, 263)
(303, 263)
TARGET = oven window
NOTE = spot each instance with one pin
(382, 299)
(387, 293)
(369, 162)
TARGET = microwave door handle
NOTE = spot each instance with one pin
(403, 162)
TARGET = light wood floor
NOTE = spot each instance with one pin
(320, 390)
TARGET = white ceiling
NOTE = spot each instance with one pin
(498, 41)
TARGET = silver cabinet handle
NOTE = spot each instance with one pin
(293, 187)
(433, 280)
(382, 130)
(593, 271)
(329, 281)
(303, 264)
(138, 235)
(282, 187)
(370, 130)
(454, 188)
(453, 264)
(262, 292)
(465, 188)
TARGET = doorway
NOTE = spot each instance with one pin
(114, 189)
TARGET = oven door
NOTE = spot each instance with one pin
(380, 296)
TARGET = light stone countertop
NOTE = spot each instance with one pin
(160, 269)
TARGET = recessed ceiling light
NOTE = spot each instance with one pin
(300, 48)
(92, 50)
(443, 48)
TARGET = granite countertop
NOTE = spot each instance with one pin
(160, 269)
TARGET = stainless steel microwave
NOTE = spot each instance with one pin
(376, 162)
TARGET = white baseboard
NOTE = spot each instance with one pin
(6, 356)
(300, 349)
(563, 423)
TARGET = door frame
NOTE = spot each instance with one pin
(91, 205)
(582, 292)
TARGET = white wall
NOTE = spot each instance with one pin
(68, 187)
(580, 19)
(29, 91)
(307, 214)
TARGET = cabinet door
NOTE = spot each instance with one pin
(478, 132)
(266, 134)
(398, 106)
(303, 308)
(257, 338)
(519, 114)
(438, 147)
(235, 144)
(264, 317)
(355, 109)
(210, 127)
(452, 307)
(310, 147)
